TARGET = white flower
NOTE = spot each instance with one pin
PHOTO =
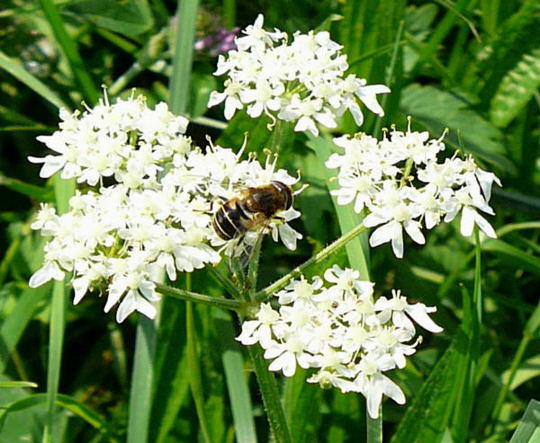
(337, 328)
(155, 214)
(302, 81)
(401, 185)
(400, 311)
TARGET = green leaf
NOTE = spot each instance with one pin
(14, 326)
(302, 403)
(529, 427)
(370, 27)
(528, 370)
(236, 378)
(515, 37)
(202, 86)
(15, 68)
(437, 110)
(517, 87)
(18, 384)
(81, 410)
(515, 257)
(38, 192)
(129, 17)
(357, 250)
(140, 397)
(183, 56)
(428, 415)
(172, 384)
(69, 48)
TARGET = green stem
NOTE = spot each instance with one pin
(319, 257)
(253, 268)
(477, 293)
(374, 427)
(270, 395)
(183, 294)
(266, 380)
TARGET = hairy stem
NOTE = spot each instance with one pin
(182, 294)
(317, 258)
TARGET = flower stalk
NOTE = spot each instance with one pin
(317, 258)
(182, 294)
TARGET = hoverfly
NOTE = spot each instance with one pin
(253, 208)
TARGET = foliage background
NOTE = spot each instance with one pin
(472, 66)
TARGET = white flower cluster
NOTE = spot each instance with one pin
(300, 82)
(403, 185)
(339, 329)
(118, 237)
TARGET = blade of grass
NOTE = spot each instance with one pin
(357, 249)
(172, 384)
(194, 371)
(237, 381)
(14, 325)
(390, 74)
(466, 375)
(63, 189)
(183, 56)
(302, 403)
(140, 399)
(38, 192)
(529, 427)
(238, 389)
(229, 13)
(17, 384)
(14, 68)
(69, 49)
(529, 334)
(65, 401)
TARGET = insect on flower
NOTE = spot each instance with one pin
(254, 208)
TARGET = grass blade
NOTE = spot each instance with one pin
(17, 384)
(237, 381)
(172, 385)
(140, 399)
(183, 55)
(194, 371)
(81, 410)
(14, 326)
(14, 67)
(466, 373)
(427, 417)
(529, 427)
(56, 341)
(64, 189)
(357, 250)
(68, 47)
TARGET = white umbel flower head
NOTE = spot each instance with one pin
(336, 327)
(403, 187)
(302, 81)
(154, 216)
